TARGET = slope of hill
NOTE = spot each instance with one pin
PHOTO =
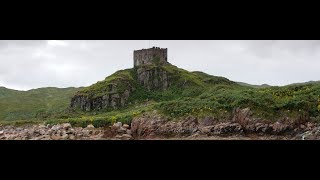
(36, 103)
(167, 90)
(305, 83)
(133, 86)
(177, 93)
(254, 86)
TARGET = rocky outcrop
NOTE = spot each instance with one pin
(153, 78)
(115, 95)
(153, 126)
(110, 100)
(241, 116)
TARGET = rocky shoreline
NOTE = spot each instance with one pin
(221, 131)
(153, 127)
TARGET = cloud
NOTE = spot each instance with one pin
(33, 64)
(57, 43)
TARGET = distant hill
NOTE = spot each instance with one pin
(305, 83)
(266, 85)
(21, 105)
(254, 86)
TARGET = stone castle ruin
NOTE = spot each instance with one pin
(154, 55)
(152, 78)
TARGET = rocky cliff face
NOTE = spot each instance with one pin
(86, 103)
(154, 78)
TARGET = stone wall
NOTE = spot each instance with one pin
(153, 78)
(150, 56)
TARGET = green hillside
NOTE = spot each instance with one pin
(189, 94)
(37, 103)
(200, 94)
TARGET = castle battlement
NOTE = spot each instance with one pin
(154, 55)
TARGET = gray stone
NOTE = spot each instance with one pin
(66, 126)
(90, 126)
(129, 132)
(118, 124)
(64, 136)
(122, 130)
(72, 137)
(126, 137)
(56, 127)
(118, 136)
(43, 132)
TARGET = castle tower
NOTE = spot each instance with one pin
(150, 56)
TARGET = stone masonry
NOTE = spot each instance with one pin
(150, 56)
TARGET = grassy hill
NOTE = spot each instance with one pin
(190, 94)
(37, 103)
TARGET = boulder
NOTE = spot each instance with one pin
(64, 137)
(56, 127)
(117, 125)
(66, 126)
(90, 126)
(241, 116)
(126, 137)
(72, 137)
(126, 126)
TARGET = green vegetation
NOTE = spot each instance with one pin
(103, 119)
(33, 104)
(270, 103)
(121, 79)
(189, 94)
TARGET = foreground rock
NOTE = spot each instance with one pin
(50, 132)
(118, 131)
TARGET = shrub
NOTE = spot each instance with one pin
(101, 122)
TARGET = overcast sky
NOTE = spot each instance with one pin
(32, 64)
